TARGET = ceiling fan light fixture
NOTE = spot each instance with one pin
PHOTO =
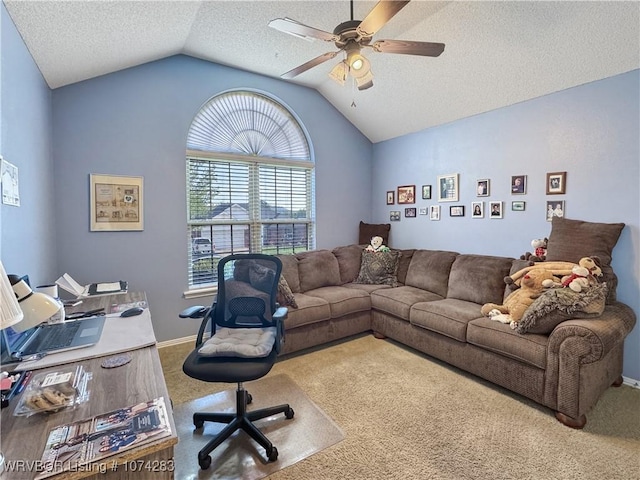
(339, 72)
(365, 81)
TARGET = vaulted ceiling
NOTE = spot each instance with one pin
(496, 54)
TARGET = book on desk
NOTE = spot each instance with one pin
(67, 283)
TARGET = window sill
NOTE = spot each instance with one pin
(200, 292)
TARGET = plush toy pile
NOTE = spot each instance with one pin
(377, 245)
(539, 250)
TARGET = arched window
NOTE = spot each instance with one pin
(250, 182)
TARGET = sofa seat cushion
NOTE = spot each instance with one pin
(364, 287)
(398, 301)
(342, 300)
(500, 338)
(310, 310)
(448, 317)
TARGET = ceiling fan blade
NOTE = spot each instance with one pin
(408, 47)
(379, 15)
(310, 64)
(298, 29)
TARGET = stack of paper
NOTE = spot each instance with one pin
(67, 283)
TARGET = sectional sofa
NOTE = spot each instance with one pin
(435, 308)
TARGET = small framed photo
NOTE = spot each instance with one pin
(517, 206)
(495, 209)
(426, 192)
(434, 212)
(555, 209)
(518, 184)
(407, 194)
(456, 211)
(477, 209)
(422, 211)
(482, 187)
(448, 188)
(116, 203)
(556, 182)
(391, 197)
(410, 212)
(394, 215)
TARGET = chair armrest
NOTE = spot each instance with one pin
(598, 335)
(197, 311)
(278, 318)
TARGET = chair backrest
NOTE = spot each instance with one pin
(247, 290)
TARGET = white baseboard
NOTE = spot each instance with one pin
(192, 338)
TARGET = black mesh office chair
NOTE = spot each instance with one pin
(245, 307)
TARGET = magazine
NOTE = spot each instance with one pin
(77, 446)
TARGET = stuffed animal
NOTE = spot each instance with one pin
(514, 306)
(558, 269)
(539, 250)
(583, 275)
(376, 245)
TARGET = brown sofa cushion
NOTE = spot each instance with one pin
(349, 259)
(478, 278)
(290, 271)
(571, 240)
(429, 270)
(556, 305)
(368, 230)
(379, 268)
(317, 268)
(403, 264)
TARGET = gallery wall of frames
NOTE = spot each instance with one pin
(446, 189)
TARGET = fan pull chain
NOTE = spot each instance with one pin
(353, 92)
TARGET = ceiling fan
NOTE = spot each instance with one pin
(351, 37)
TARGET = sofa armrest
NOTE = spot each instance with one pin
(591, 339)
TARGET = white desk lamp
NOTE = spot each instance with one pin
(36, 307)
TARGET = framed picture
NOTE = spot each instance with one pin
(518, 184)
(517, 206)
(448, 188)
(407, 194)
(555, 209)
(394, 215)
(116, 203)
(477, 209)
(556, 182)
(391, 197)
(495, 209)
(434, 212)
(456, 211)
(482, 187)
(426, 192)
(410, 212)
(422, 211)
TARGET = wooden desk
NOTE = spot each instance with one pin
(23, 438)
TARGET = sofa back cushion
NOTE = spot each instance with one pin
(429, 270)
(348, 262)
(290, 271)
(479, 278)
(317, 268)
(403, 264)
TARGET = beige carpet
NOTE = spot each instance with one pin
(308, 432)
(407, 416)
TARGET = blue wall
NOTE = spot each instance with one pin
(590, 131)
(28, 238)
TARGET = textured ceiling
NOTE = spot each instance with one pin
(497, 53)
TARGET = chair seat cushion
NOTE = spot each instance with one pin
(240, 342)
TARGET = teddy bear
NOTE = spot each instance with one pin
(376, 245)
(557, 268)
(583, 275)
(539, 250)
(514, 306)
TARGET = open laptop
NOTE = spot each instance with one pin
(53, 338)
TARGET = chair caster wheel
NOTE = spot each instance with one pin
(289, 414)
(198, 424)
(273, 454)
(249, 398)
(204, 462)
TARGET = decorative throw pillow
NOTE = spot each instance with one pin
(570, 240)
(368, 230)
(285, 295)
(556, 305)
(379, 268)
(261, 277)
